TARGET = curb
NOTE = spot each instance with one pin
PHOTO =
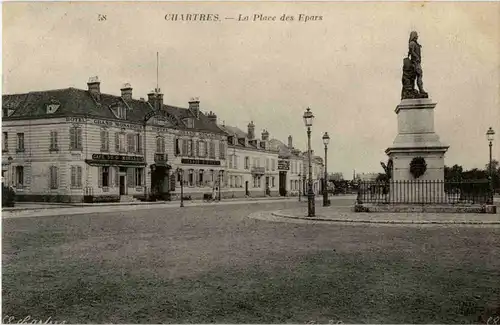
(141, 203)
(416, 222)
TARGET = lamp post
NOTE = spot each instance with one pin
(220, 182)
(308, 118)
(490, 135)
(326, 140)
(180, 172)
(299, 185)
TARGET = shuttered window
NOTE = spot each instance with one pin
(5, 142)
(222, 150)
(177, 149)
(53, 181)
(104, 140)
(139, 176)
(160, 145)
(130, 143)
(75, 138)
(76, 176)
(53, 140)
(212, 149)
(139, 143)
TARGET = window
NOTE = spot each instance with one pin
(53, 183)
(121, 112)
(76, 176)
(236, 162)
(104, 140)
(20, 142)
(191, 177)
(230, 162)
(202, 149)
(247, 162)
(267, 163)
(222, 150)
(138, 138)
(20, 176)
(190, 149)
(5, 146)
(131, 142)
(212, 149)
(139, 176)
(75, 138)
(177, 147)
(272, 181)
(160, 144)
(273, 164)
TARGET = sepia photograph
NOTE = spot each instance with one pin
(238, 162)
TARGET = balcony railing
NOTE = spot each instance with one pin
(425, 192)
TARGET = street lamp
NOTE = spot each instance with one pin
(299, 186)
(180, 172)
(326, 140)
(490, 135)
(220, 182)
(308, 119)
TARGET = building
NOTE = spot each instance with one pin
(252, 165)
(76, 145)
(290, 167)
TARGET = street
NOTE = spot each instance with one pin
(214, 264)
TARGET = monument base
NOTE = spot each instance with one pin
(416, 138)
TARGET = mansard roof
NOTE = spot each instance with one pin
(73, 101)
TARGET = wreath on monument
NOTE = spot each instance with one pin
(418, 166)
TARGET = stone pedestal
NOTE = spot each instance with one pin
(416, 138)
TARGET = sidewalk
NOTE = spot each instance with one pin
(345, 215)
(39, 210)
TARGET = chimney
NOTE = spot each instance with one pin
(94, 87)
(251, 130)
(159, 98)
(126, 92)
(212, 117)
(194, 106)
(265, 135)
(290, 142)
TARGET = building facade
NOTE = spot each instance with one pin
(74, 145)
(290, 168)
(252, 165)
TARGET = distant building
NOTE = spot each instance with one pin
(251, 163)
(366, 176)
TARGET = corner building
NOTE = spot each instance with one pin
(74, 145)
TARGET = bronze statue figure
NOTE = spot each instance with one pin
(412, 70)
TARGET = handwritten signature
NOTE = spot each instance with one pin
(28, 320)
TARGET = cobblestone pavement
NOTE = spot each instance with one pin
(335, 214)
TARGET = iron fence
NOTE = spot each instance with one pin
(425, 192)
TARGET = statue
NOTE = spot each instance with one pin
(412, 70)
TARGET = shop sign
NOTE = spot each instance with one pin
(200, 162)
(283, 164)
(99, 156)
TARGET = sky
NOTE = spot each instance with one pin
(346, 66)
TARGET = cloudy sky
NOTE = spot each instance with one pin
(346, 67)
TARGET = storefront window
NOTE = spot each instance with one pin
(191, 178)
(105, 176)
(138, 176)
(200, 177)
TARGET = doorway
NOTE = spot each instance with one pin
(122, 185)
(246, 188)
(282, 183)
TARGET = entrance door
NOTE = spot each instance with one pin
(122, 185)
(282, 183)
